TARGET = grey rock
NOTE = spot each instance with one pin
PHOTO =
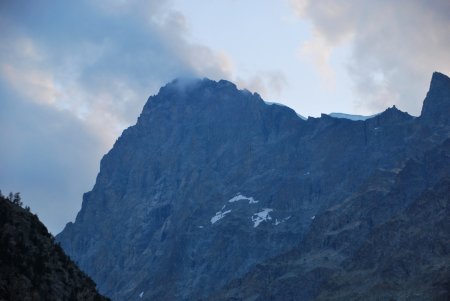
(436, 106)
(386, 242)
(159, 222)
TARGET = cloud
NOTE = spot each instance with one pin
(48, 155)
(395, 46)
(73, 74)
(266, 83)
(89, 57)
(319, 51)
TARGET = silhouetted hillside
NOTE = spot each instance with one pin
(32, 265)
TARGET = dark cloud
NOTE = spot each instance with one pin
(395, 45)
(48, 155)
(73, 74)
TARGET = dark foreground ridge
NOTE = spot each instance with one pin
(32, 265)
(216, 195)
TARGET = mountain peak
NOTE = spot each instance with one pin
(192, 89)
(393, 115)
(438, 79)
(211, 102)
(437, 102)
(193, 83)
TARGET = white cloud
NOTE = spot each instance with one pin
(319, 51)
(267, 83)
(396, 45)
(83, 70)
(40, 86)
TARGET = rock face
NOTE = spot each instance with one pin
(215, 194)
(436, 106)
(32, 265)
(388, 241)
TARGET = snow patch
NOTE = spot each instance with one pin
(219, 215)
(141, 295)
(270, 103)
(277, 221)
(313, 217)
(260, 217)
(351, 117)
(240, 197)
(301, 116)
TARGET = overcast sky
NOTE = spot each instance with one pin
(74, 74)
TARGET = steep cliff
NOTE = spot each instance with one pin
(212, 181)
(388, 241)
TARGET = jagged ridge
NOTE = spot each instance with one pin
(158, 222)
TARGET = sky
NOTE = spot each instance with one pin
(74, 74)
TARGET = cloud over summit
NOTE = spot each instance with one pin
(84, 68)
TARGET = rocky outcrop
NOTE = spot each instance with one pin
(389, 241)
(436, 107)
(32, 265)
(212, 184)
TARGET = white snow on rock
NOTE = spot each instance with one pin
(240, 197)
(351, 117)
(141, 295)
(260, 217)
(313, 217)
(219, 215)
(301, 116)
(277, 221)
(270, 103)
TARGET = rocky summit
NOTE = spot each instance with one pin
(215, 194)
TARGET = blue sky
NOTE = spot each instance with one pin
(74, 74)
